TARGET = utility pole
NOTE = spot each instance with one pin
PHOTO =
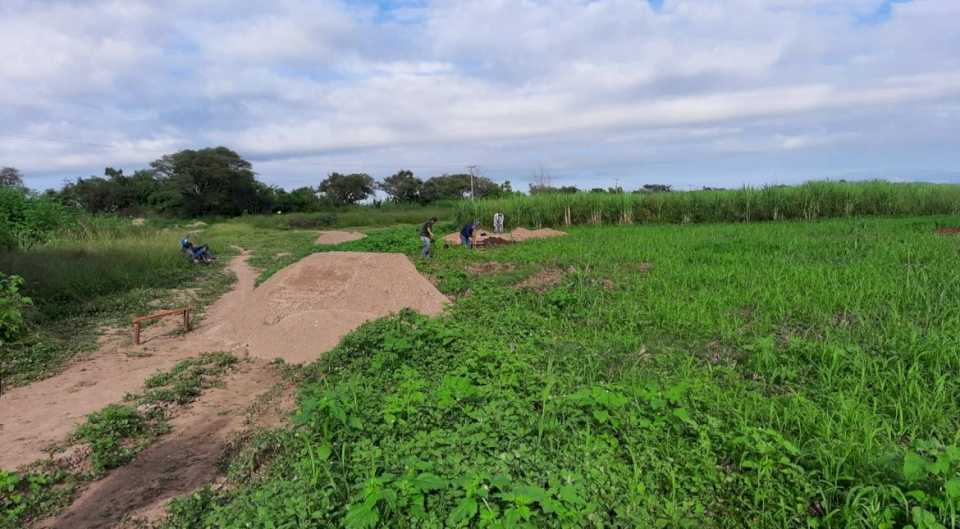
(473, 171)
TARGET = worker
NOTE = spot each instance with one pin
(467, 233)
(498, 222)
(426, 235)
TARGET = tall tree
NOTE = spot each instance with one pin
(209, 181)
(10, 177)
(403, 186)
(349, 188)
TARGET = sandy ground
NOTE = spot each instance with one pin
(43, 413)
(187, 458)
(298, 314)
(517, 235)
(337, 237)
(305, 309)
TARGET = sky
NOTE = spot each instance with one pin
(720, 93)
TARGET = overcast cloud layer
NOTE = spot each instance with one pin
(687, 92)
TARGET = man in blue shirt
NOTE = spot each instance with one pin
(466, 234)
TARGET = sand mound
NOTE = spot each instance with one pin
(522, 234)
(517, 235)
(305, 309)
(337, 237)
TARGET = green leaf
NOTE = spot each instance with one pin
(914, 467)
(568, 493)
(953, 488)
(362, 516)
(464, 512)
(427, 482)
(924, 519)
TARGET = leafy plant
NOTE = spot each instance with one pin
(12, 304)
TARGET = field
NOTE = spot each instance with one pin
(780, 374)
(773, 375)
(809, 201)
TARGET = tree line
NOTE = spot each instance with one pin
(218, 181)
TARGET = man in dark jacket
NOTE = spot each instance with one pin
(426, 235)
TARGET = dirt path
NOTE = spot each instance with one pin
(298, 314)
(337, 237)
(36, 416)
(184, 460)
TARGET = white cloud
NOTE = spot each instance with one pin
(587, 87)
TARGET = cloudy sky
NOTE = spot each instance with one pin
(685, 92)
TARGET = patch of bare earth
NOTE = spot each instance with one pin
(641, 267)
(338, 237)
(185, 459)
(492, 267)
(545, 279)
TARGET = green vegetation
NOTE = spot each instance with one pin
(99, 271)
(810, 201)
(12, 305)
(773, 375)
(32, 494)
(27, 220)
(187, 380)
(117, 433)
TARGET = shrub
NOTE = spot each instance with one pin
(27, 220)
(12, 304)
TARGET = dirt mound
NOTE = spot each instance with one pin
(492, 267)
(947, 231)
(488, 238)
(522, 234)
(545, 279)
(300, 313)
(305, 309)
(337, 237)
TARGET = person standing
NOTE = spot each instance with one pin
(466, 234)
(426, 235)
(498, 222)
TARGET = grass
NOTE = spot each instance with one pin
(809, 201)
(98, 275)
(792, 374)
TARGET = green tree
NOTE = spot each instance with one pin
(457, 186)
(212, 181)
(347, 189)
(10, 177)
(403, 186)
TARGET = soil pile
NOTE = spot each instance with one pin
(305, 309)
(488, 238)
(545, 279)
(338, 237)
(947, 231)
(522, 234)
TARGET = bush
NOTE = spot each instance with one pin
(12, 304)
(27, 220)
